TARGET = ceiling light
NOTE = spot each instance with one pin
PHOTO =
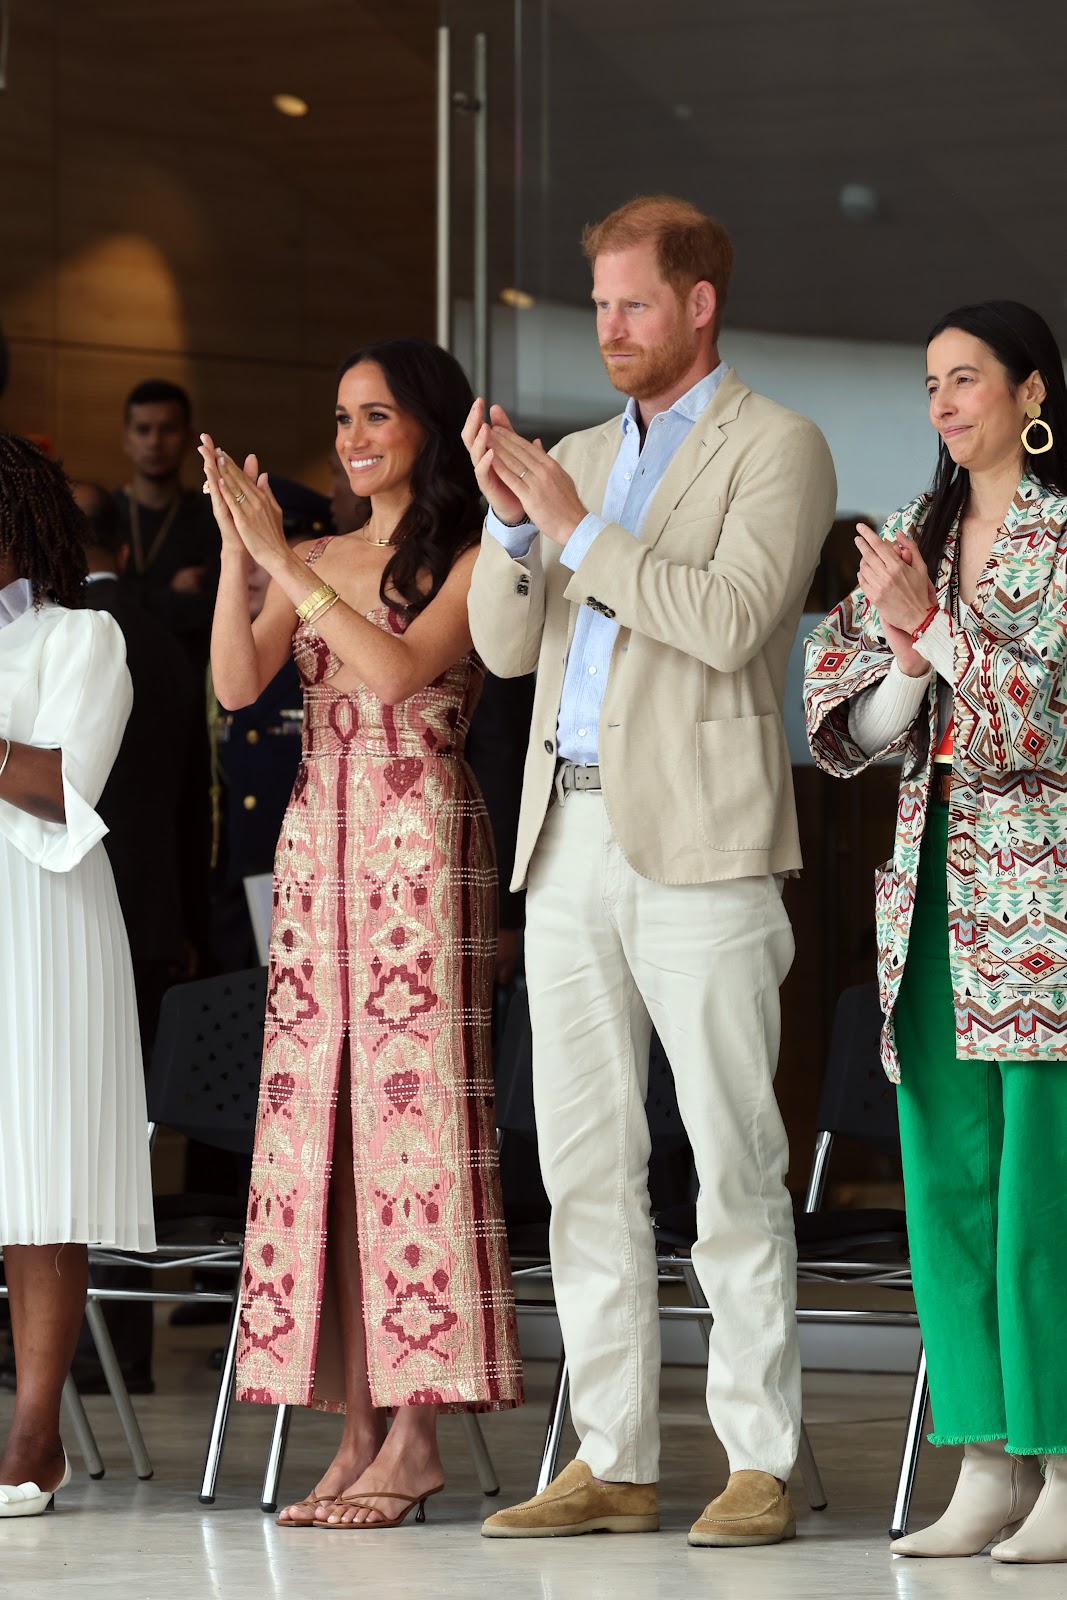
(517, 298)
(859, 202)
(290, 105)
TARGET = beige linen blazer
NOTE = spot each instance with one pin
(693, 759)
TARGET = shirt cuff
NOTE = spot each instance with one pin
(936, 644)
(878, 716)
(576, 549)
(517, 540)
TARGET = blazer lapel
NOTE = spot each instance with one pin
(693, 457)
(591, 480)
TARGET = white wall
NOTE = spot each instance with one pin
(868, 399)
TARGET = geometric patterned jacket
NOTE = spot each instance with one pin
(1007, 854)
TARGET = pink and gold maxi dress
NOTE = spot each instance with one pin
(383, 940)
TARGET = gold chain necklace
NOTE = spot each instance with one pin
(142, 562)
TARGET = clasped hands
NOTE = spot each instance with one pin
(518, 477)
(894, 578)
(249, 517)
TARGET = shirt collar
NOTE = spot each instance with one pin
(15, 599)
(688, 405)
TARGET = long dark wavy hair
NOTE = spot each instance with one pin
(1022, 342)
(445, 514)
(42, 531)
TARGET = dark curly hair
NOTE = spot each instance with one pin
(1022, 342)
(445, 514)
(42, 531)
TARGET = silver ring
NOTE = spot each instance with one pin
(237, 499)
(523, 473)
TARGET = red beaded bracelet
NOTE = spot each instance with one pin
(925, 623)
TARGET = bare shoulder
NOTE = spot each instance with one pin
(464, 563)
(462, 571)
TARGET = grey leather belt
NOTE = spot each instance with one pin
(574, 779)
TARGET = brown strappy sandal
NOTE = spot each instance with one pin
(314, 1500)
(383, 1522)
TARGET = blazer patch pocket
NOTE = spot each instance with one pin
(741, 764)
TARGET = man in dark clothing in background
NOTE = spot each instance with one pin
(173, 541)
(144, 793)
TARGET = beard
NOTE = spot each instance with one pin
(652, 370)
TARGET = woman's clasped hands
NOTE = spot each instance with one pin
(894, 578)
(246, 511)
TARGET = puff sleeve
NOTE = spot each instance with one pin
(83, 703)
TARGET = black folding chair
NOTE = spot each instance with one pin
(203, 1081)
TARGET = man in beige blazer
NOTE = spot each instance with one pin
(653, 571)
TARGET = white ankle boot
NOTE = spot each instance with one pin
(995, 1491)
(1043, 1536)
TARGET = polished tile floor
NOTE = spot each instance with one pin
(124, 1540)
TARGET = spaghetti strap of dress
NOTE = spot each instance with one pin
(316, 549)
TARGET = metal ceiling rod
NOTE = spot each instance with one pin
(444, 188)
(5, 39)
(480, 354)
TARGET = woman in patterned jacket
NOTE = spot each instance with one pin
(952, 654)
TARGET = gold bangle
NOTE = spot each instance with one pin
(320, 610)
(313, 603)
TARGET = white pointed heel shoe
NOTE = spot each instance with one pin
(1043, 1536)
(995, 1492)
(28, 1499)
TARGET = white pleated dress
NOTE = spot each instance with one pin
(74, 1158)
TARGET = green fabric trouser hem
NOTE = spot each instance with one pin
(993, 1438)
(973, 1438)
(983, 1146)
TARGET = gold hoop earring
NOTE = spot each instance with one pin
(1033, 412)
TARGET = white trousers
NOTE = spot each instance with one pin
(609, 954)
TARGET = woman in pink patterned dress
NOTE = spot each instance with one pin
(376, 1274)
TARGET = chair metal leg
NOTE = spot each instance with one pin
(222, 1409)
(913, 1438)
(698, 1297)
(268, 1500)
(809, 1471)
(483, 1461)
(83, 1432)
(94, 1316)
(557, 1415)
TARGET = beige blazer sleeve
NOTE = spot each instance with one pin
(781, 504)
(506, 607)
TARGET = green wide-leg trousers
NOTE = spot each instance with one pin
(984, 1147)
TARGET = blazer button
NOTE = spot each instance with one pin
(250, 802)
(548, 746)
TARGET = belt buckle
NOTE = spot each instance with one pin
(557, 782)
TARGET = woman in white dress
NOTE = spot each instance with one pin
(74, 1166)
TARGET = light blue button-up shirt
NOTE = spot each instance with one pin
(635, 477)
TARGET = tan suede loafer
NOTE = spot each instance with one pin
(751, 1510)
(575, 1503)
